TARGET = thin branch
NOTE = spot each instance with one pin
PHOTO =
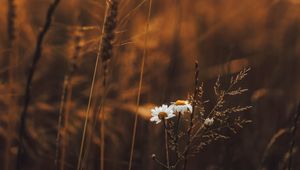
(158, 161)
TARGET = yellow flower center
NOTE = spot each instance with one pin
(162, 115)
(181, 102)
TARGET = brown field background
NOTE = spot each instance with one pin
(224, 36)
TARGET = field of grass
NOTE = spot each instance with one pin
(149, 84)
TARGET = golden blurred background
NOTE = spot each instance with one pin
(223, 36)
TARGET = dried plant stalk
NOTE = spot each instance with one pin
(105, 54)
(108, 34)
(60, 121)
(11, 17)
(196, 79)
(140, 86)
(203, 127)
(65, 106)
(36, 58)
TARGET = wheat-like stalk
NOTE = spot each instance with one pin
(105, 54)
(106, 48)
(65, 105)
(11, 17)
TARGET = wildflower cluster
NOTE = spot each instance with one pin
(165, 112)
(192, 124)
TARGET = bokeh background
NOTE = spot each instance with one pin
(224, 36)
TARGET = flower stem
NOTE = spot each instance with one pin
(166, 144)
(177, 136)
(158, 161)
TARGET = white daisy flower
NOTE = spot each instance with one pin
(160, 113)
(182, 106)
(208, 121)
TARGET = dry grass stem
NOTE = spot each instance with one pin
(140, 85)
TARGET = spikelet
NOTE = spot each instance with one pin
(108, 30)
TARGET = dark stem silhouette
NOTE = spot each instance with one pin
(36, 58)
